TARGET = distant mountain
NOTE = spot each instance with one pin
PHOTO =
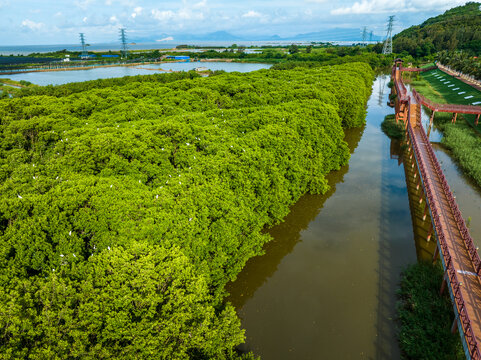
(325, 35)
(457, 29)
(215, 36)
(337, 34)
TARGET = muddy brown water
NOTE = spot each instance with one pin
(326, 286)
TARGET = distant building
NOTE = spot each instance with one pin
(187, 58)
(67, 58)
(87, 57)
(110, 56)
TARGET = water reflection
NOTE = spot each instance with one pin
(287, 234)
(326, 286)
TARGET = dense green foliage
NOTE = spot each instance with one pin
(458, 28)
(391, 128)
(425, 316)
(126, 205)
(309, 61)
(461, 61)
(465, 146)
(72, 88)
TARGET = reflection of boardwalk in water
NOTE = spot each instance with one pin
(394, 234)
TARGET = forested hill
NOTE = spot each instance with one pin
(125, 209)
(457, 29)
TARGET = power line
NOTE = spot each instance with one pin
(387, 49)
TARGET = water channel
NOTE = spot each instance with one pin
(325, 288)
(64, 77)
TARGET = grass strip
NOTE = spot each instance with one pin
(425, 316)
(391, 128)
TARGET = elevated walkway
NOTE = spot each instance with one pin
(455, 246)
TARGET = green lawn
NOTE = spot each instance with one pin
(453, 91)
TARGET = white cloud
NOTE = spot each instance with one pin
(252, 14)
(396, 6)
(113, 18)
(137, 12)
(83, 4)
(84, 19)
(32, 25)
(200, 4)
(162, 15)
(130, 3)
(182, 14)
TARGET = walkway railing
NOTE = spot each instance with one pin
(428, 183)
(419, 69)
(451, 108)
(450, 270)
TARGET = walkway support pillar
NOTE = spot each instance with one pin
(454, 327)
(443, 284)
(425, 211)
(430, 232)
(436, 254)
(455, 116)
(431, 119)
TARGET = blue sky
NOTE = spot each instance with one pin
(28, 22)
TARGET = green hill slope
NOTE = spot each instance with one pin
(457, 29)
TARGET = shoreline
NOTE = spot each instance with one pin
(116, 65)
(120, 65)
(74, 68)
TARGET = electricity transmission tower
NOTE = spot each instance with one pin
(370, 37)
(84, 45)
(387, 49)
(364, 35)
(123, 39)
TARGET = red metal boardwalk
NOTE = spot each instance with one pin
(459, 256)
